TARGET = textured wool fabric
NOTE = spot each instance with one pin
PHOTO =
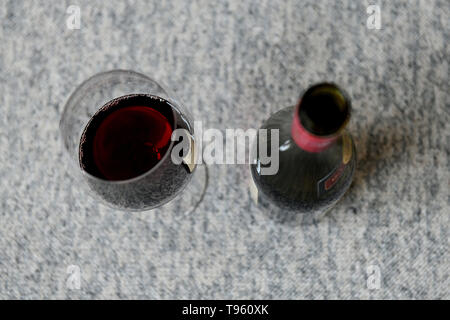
(232, 64)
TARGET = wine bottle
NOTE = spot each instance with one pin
(317, 157)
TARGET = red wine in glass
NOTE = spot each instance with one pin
(128, 142)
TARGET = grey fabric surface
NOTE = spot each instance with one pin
(232, 63)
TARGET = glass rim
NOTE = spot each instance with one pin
(120, 71)
(346, 98)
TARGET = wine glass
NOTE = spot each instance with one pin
(117, 129)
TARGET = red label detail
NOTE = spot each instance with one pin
(334, 177)
(307, 141)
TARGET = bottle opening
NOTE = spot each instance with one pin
(324, 109)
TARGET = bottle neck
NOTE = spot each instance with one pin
(307, 141)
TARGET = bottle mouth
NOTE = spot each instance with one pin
(324, 109)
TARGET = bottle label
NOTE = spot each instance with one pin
(253, 189)
(330, 179)
(346, 148)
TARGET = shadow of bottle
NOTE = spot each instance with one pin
(382, 148)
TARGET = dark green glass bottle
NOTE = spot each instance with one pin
(317, 157)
